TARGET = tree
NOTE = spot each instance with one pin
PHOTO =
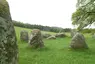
(85, 13)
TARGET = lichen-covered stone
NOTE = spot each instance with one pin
(35, 40)
(24, 35)
(78, 41)
(8, 42)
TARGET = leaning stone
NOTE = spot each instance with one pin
(78, 41)
(8, 41)
(35, 39)
(24, 35)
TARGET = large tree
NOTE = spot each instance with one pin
(84, 14)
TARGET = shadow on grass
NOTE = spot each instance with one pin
(38, 49)
(87, 51)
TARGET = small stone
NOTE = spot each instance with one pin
(24, 35)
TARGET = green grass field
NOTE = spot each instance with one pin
(55, 51)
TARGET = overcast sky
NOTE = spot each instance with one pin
(44, 12)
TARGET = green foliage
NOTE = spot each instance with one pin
(85, 13)
(56, 52)
(88, 31)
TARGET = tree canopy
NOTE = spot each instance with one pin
(84, 14)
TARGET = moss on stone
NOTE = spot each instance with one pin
(8, 42)
(4, 9)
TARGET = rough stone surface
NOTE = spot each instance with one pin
(60, 35)
(78, 41)
(51, 37)
(45, 35)
(24, 35)
(8, 42)
(73, 32)
(35, 39)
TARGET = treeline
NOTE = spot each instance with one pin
(43, 28)
(47, 28)
(91, 30)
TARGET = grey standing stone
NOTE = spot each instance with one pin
(78, 41)
(8, 42)
(24, 35)
(35, 40)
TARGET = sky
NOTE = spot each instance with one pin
(43, 12)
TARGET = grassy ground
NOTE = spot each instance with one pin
(55, 52)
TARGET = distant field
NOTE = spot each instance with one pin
(18, 29)
(55, 51)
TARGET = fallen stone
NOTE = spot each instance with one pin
(51, 37)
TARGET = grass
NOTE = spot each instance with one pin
(55, 52)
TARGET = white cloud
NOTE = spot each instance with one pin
(44, 12)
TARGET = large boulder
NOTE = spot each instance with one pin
(60, 35)
(8, 42)
(51, 37)
(78, 41)
(24, 35)
(35, 39)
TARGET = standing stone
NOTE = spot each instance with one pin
(8, 42)
(35, 40)
(78, 41)
(24, 35)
